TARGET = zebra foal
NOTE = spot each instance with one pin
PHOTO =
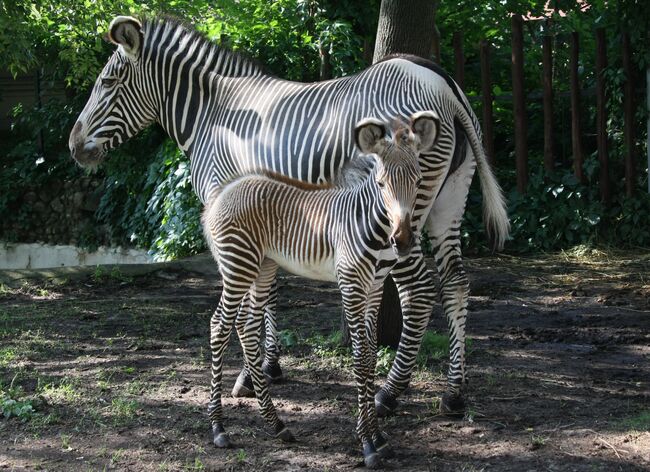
(352, 232)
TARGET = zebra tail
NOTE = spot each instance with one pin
(495, 214)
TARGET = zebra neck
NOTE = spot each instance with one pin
(185, 69)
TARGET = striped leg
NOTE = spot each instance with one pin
(443, 225)
(354, 305)
(271, 367)
(220, 328)
(372, 309)
(416, 288)
(249, 332)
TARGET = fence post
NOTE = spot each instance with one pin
(601, 115)
(576, 131)
(459, 59)
(630, 157)
(486, 92)
(547, 83)
(519, 106)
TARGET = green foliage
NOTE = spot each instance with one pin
(385, 358)
(559, 212)
(434, 346)
(13, 403)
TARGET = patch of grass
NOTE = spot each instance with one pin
(537, 441)
(196, 465)
(241, 456)
(123, 410)
(639, 422)
(64, 391)
(435, 347)
(7, 355)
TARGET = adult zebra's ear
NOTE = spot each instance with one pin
(369, 135)
(426, 126)
(126, 31)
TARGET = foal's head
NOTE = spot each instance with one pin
(397, 170)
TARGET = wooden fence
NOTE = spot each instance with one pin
(520, 113)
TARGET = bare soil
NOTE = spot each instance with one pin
(116, 369)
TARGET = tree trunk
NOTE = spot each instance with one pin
(405, 26)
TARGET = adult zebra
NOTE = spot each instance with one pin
(229, 117)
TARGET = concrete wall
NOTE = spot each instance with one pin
(41, 256)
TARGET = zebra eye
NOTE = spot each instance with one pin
(108, 82)
(380, 184)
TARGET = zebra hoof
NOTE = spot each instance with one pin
(372, 461)
(272, 372)
(243, 386)
(385, 404)
(452, 404)
(221, 439)
(285, 435)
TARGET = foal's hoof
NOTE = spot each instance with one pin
(452, 404)
(372, 460)
(243, 386)
(285, 435)
(383, 448)
(385, 404)
(272, 372)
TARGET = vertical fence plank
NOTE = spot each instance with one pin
(547, 84)
(519, 106)
(486, 96)
(629, 105)
(601, 116)
(459, 59)
(576, 131)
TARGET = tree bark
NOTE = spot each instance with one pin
(405, 26)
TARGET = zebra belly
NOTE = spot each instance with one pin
(323, 269)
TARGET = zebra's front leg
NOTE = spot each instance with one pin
(354, 301)
(372, 310)
(417, 296)
(271, 367)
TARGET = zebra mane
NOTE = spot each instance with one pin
(152, 24)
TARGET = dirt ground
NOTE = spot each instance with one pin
(110, 372)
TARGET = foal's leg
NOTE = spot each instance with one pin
(372, 309)
(249, 335)
(354, 301)
(239, 270)
(244, 385)
(416, 288)
(220, 328)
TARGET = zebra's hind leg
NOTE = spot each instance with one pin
(249, 336)
(443, 226)
(416, 288)
(271, 367)
(243, 387)
(220, 328)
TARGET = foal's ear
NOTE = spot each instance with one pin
(126, 31)
(369, 135)
(426, 126)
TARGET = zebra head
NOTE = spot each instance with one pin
(118, 106)
(397, 170)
